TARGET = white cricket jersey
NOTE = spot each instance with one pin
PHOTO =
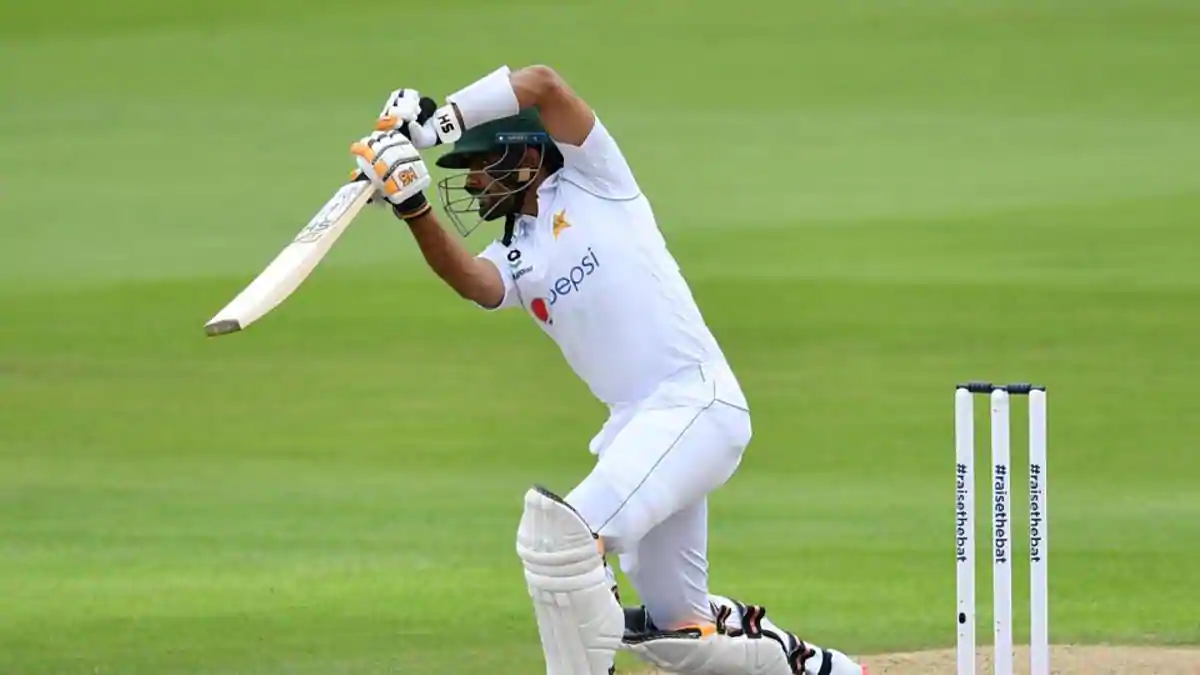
(593, 271)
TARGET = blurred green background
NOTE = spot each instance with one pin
(872, 200)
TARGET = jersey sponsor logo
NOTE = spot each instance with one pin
(569, 283)
(514, 265)
(540, 311)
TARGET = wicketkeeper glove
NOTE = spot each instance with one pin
(391, 162)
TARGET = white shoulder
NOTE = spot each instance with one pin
(598, 165)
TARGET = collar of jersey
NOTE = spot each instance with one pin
(545, 193)
(548, 186)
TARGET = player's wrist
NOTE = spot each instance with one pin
(413, 207)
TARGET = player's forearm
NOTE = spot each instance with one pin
(446, 257)
(452, 262)
(502, 93)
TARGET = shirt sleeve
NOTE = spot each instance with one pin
(598, 165)
(497, 254)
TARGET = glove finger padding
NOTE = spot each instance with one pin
(393, 165)
(376, 200)
(409, 113)
(402, 106)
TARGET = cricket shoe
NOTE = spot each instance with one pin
(737, 619)
(741, 642)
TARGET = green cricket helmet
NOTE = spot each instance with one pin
(504, 142)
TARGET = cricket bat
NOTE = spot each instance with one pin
(295, 262)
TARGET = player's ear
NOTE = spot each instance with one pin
(532, 158)
(531, 161)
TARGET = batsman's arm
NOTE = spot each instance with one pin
(472, 278)
(566, 116)
(590, 154)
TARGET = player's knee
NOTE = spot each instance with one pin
(553, 540)
(674, 613)
(579, 619)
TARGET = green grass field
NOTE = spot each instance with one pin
(872, 200)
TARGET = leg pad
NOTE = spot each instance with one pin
(579, 620)
(703, 651)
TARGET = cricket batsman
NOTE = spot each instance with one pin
(583, 256)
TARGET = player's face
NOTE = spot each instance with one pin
(483, 184)
(493, 187)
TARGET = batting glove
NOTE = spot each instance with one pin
(395, 167)
(419, 119)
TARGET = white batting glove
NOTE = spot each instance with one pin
(419, 119)
(396, 169)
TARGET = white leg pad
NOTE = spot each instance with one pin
(580, 622)
(689, 652)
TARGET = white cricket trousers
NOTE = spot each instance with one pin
(647, 496)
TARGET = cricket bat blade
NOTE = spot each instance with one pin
(295, 262)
